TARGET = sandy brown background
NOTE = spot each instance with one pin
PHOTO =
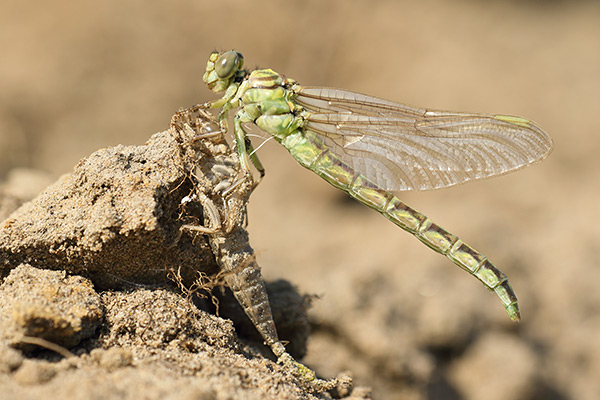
(78, 76)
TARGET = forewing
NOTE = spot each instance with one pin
(400, 147)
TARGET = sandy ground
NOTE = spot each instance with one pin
(77, 77)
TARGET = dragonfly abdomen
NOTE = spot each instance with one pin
(460, 253)
(312, 154)
(441, 241)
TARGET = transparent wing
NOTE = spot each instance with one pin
(400, 147)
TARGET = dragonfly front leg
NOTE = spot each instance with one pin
(227, 102)
(245, 150)
(229, 95)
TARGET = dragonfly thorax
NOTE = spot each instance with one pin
(265, 78)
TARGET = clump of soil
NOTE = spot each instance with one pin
(101, 284)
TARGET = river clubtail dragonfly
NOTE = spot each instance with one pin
(371, 148)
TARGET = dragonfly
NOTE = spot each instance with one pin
(372, 148)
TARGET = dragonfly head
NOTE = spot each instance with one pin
(222, 69)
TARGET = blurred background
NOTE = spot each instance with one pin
(79, 76)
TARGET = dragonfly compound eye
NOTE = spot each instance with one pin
(228, 64)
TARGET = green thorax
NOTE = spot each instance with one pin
(265, 78)
(269, 99)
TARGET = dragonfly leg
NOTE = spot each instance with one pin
(254, 158)
(229, 100)
(244, 146)
(229, 95)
